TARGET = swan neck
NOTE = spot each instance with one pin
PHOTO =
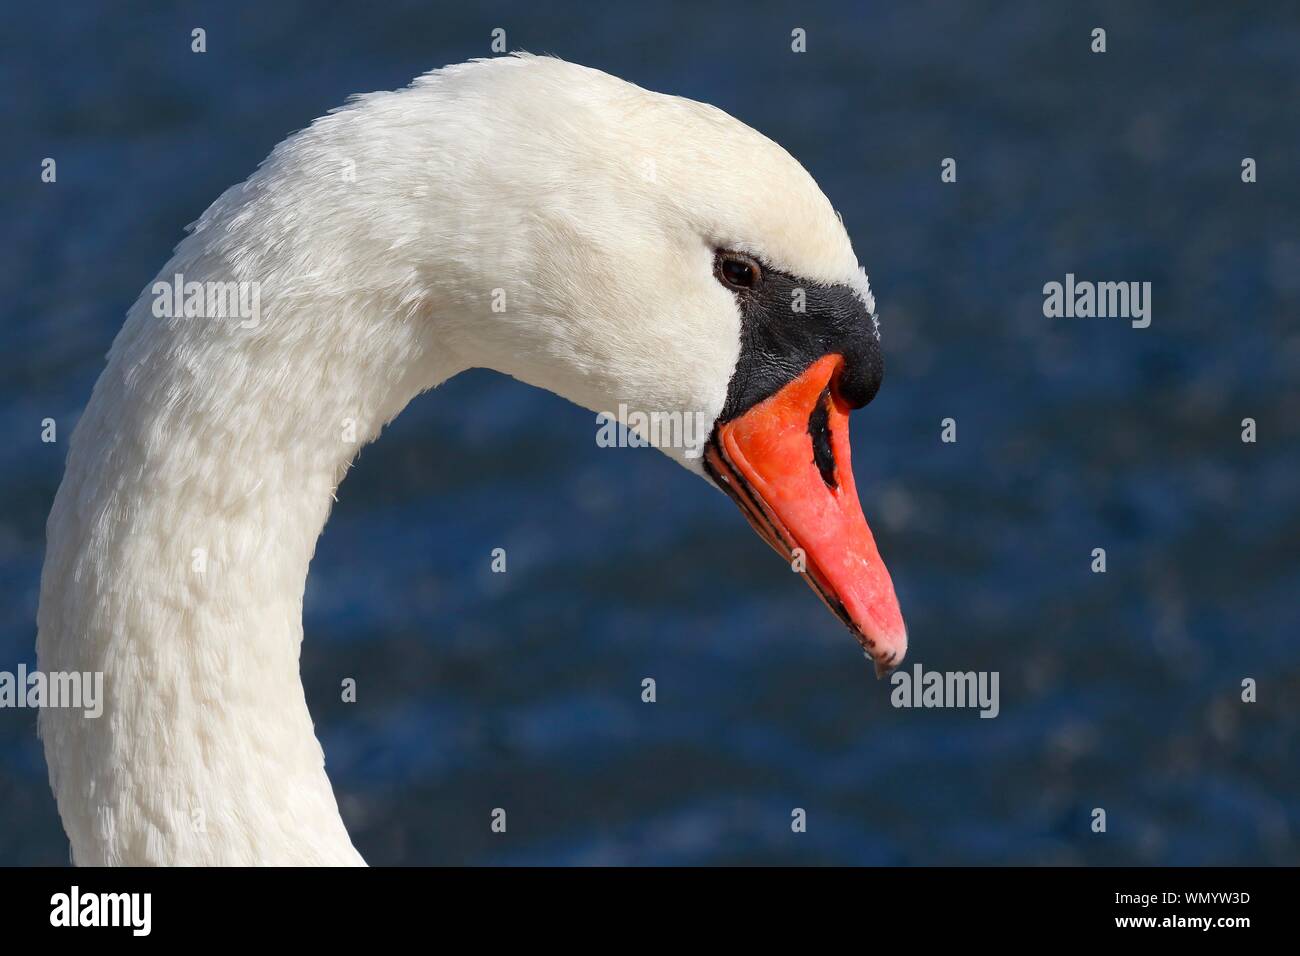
(197, 483)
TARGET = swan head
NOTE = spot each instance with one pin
(649, 258)
(642, 253)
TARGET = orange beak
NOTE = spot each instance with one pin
(786, 463)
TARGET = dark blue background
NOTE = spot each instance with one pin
(522, 690)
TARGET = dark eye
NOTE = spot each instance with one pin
(737, 270)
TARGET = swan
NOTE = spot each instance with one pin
(618, 247)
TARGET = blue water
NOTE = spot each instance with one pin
(522, 690)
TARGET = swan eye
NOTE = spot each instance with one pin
(737, 271)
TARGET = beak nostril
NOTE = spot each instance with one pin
(819, 429)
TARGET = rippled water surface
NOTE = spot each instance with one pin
(523, 690)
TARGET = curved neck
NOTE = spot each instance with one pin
(198, 481)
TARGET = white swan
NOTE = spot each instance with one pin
(612, 245)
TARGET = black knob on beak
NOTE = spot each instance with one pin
(864, 368)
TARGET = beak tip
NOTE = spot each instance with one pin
(885, 666)
(886, 662)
